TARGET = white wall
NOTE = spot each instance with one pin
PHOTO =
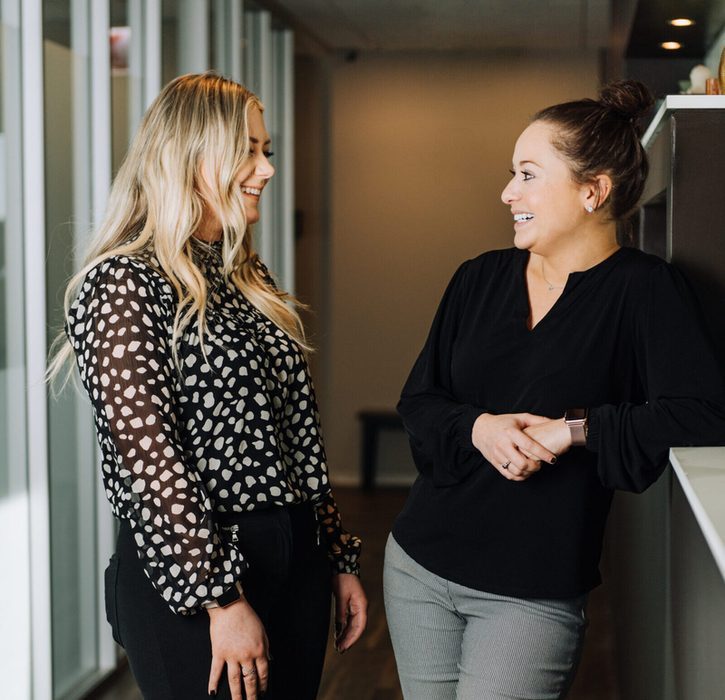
(420, 147)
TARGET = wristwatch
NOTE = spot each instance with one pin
(576, 419)
(231, 595)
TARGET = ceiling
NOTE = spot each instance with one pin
(449, 25)
(473, 25)
(651, 27)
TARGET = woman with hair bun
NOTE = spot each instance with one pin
(555, 372)
(230, 542)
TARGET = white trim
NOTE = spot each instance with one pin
(36, 346)
(701, 472)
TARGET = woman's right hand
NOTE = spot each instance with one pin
(238, 640)
(502, 441)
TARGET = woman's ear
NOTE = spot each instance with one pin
(596, 192)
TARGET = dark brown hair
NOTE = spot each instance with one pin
(603, 136)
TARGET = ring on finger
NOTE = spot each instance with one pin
(252, 671)
(505, 465)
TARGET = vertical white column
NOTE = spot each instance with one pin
(135, 64)
(80, 471)
(144, 58)
(15, 598)
(285, 204)
(236, 34)
(228, 38)
(260, 79)
(193, 38)
(151, 69)
(99, 543)
(36, 347)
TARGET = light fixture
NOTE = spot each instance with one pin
(671, 45)
(681, 22)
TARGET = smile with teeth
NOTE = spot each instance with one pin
(523, 217)
(251, 190)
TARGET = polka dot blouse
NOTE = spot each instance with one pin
(234, 432)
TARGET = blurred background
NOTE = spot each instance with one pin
(393, 124)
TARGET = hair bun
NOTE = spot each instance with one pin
(629, 98)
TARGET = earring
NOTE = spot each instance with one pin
(589, 209)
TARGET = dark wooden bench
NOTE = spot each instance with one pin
(371, 423)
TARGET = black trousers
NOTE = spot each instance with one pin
(288, 584)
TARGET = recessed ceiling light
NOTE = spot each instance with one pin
(671, 45)
(681, 22)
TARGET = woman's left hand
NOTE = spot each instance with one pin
(553, 434)
(351, 610)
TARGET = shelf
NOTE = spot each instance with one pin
(674, 102)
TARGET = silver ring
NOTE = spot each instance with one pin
(505, 465)
(252, 672)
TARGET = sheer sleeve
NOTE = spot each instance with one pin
(343, 549)
(438, 425)
(120, 329)
(684, 386)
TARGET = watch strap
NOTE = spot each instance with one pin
(231, 595)
(576, 420)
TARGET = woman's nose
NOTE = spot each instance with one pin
(264, 168)
(509, 194)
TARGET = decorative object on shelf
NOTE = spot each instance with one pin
(698, 79)
(721, 71)
(712, 86)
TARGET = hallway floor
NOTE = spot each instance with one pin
(367, 672)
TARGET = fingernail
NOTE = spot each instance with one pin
(212, 693)
(552, 460)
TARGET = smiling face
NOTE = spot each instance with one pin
(548, 206)
(251, 179)
(256, 173)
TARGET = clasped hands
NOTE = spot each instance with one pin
(517, 443)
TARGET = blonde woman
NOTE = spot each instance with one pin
(230, 541)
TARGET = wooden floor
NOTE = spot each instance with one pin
(367, 671)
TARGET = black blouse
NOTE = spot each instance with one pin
(233, 432)
(623, 340)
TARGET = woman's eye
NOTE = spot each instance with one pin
(525, 175)
(268, 154)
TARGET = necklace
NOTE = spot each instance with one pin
(551, 287)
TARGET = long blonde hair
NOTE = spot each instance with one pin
(155, 204)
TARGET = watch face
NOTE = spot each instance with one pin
(575, 415)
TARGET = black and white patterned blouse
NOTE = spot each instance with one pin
(232, 433)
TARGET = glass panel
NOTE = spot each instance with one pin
(12, 383)
(72, 468)
(4, 331)
(186, 27)
(169, 41)
(121, 102)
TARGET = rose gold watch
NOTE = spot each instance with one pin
(576, 420)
